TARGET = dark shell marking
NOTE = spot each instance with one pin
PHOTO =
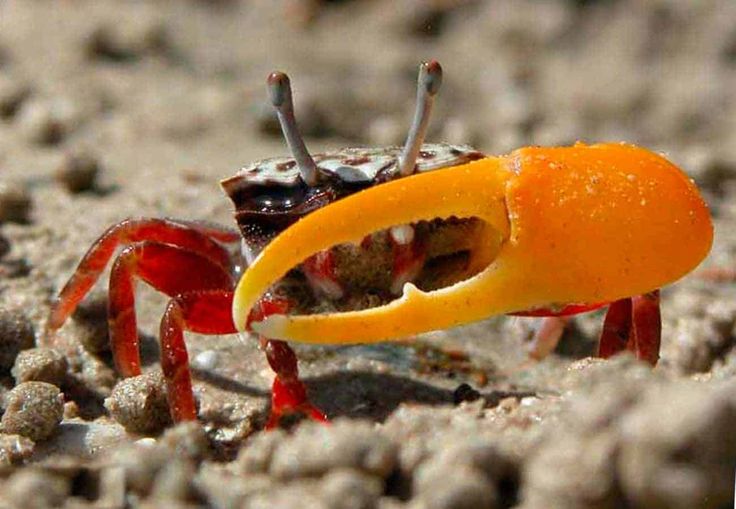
(270, 195)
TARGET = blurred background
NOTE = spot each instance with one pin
(190, 75)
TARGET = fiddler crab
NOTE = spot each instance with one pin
(371, 244)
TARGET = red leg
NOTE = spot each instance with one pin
(633, 324)
(193, 237)
(547, 336)
(320, 272)
(206, 312)
(647, 326)
(171, 270)
(288, 394)
(616, 329)
(409, 255)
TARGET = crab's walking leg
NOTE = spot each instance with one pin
(192, 236)
(205, 312)
(646, 326)
(171, 270)
(547, 336)
(288, 394)
(633, 324)
(616, 329)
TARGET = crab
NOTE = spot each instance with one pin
(372, 244)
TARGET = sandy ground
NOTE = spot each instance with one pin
(166, 98)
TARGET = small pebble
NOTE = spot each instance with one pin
(33, 410)
(205, 360)
(15, 203)
(40, 365)
(128, 39)
(146, 442)
(508, 405)
(12, 94)
(465, 392)
(71, 410)
(78, 172)
(139, 404)
(14, 449)
(42, 123)
(16, 334)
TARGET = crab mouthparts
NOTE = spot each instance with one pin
(441, 228)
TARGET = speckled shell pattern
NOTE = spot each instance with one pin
(269, 195)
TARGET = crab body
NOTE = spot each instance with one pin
(369, 244)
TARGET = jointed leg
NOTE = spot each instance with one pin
(548, 334)
(633, 324)
(616, 328)
(171, 270)
(288, 394)
(197, 238)
(551, 327)
(647, 326)
(206, 312)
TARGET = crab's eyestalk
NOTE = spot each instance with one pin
(279, 90)
(428, 84)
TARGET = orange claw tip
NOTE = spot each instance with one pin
(580, 224)
(605, 221)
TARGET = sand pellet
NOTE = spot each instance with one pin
(78, 172)
(139, 403)
(40, 365)
(33, 410)
(16, 334)
(15, 203)
(14, 449)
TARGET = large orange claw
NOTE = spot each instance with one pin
(568, 225)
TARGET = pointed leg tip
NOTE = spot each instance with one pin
(308, 410)
(289, 399)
